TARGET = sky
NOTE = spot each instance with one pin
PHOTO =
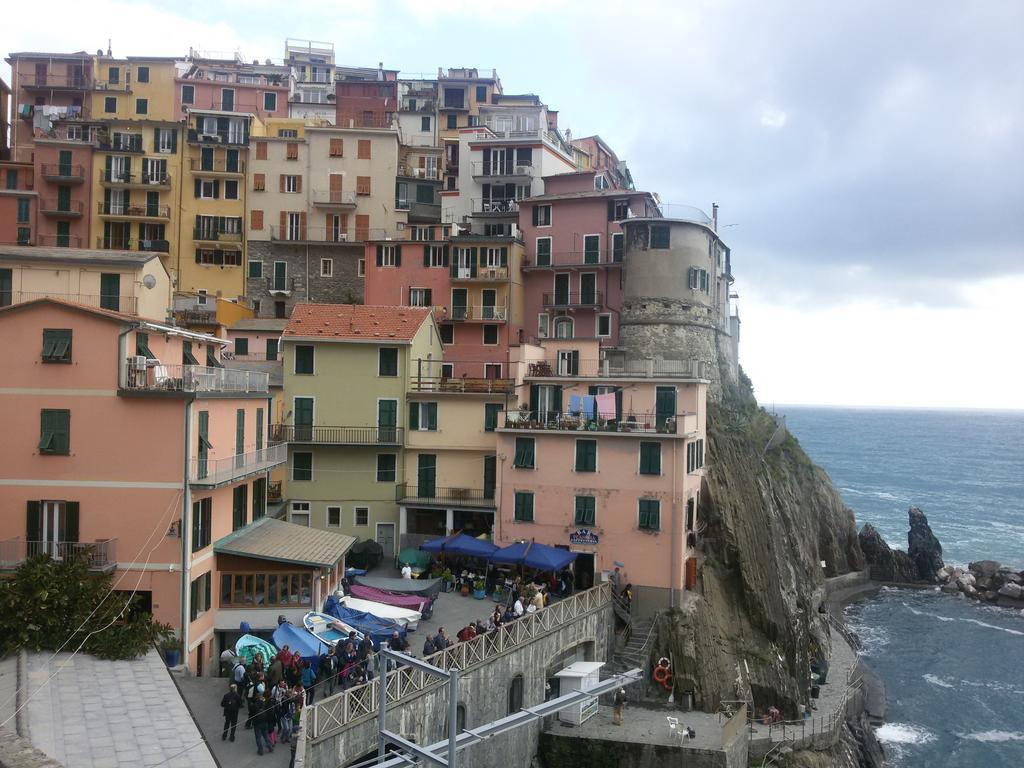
(868, 156)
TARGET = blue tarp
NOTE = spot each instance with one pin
(298, 639)
(460, 544)
(534, 555)
(377, 628)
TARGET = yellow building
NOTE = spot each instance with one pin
(461, 93)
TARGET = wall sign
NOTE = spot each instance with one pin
(583, 536)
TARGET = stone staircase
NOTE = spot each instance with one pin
(630, 655)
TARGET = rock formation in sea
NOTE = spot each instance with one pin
(985, 580)
(922, 561)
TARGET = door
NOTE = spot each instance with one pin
(664, 406)
(568, 362)
(120, 168)
(584, 571)
(386, 538)
(490, 475)
(463, 263)
(64, 162)
(152, 203)
(459, 309)
(335, 185)
(304, 419)
(562, 290)
(239, 438)
(591, 249)
(63, 198)
(231, 160)
(271, 349)
(227, 99)
(52, 526)
(206, 159)
(588, 288)
(110, 291)
(280, 275)
(387, 421)
(6, 287)
(426, 476)
(489, 298)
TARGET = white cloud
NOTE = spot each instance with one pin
(772, 117)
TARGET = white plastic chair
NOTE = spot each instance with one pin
(673, 727)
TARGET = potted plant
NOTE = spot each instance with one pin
(170, 647)
(479, 588)
(449, 580)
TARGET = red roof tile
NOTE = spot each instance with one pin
(355, 322)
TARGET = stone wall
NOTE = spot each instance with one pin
(556, 751)
(343, 287)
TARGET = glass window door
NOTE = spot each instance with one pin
(387, 420)
(460, 310)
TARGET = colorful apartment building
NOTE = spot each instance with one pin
(131, 441)
(461, 93)
(311, 80)
(347, 373)
(598, 156)
(572, 276)
(365, 98)
(605, 460)
(19, 204)
(5, 121)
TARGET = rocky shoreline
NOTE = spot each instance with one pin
(985, 580)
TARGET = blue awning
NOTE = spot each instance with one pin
(460, 544)
(534, 555)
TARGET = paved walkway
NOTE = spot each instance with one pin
(111, 714)
(647, 725)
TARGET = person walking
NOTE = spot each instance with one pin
(328, 670)
(260, 722)
(282, 698)
(308, 682)
(230, 703)
(620, 705)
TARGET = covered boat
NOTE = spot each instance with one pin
(425, 587)
(328, 629)
(306, 643)
(405, 618)
(409, 602)
(247, 646)
(379, 629)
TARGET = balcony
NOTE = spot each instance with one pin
(161, 181)
(230, 138)
(573, 299)
(592, 425)
(59, 241)
(424, 212)
(150, 378)
(318, 235)
(368, 119)
(64, 209)
(49, 81)
(126, 304)
(411, 494)
(495, 207)
(216, 167)
(462, 385)
(419, 107)
(289, 433)
(122, 146)
(134, 212)
(211, 473)
(281, 285)
(567, 367)
(475, 313)
(211, 236)
(461, 274)
(483, 169)
(576, 259)
(65, 174)
(188, 311)
(410, 172)
(99, 555)
(335, 198)
(131, 244)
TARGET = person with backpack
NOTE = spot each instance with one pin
(259, 712)
(328, 670)
(230, 703)
(282, 697)
(308, 682)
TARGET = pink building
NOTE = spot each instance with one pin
(572, 270)
(230, 86)
(18, 207)
(132, 442)
(605, 461)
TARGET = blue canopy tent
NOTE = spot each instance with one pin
(534, 555)
(460, 544)
(378, 629)
(306, 643)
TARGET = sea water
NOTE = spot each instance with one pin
(953, 668)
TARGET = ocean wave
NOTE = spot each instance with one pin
(938, 681)
(903, 733)
(993, 626)
(992, 736)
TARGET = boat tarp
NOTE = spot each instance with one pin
(409, 602)
(534, 555)
(460, 544)
(247, 646)
(377, 628)
(301, 640)
(425, 587)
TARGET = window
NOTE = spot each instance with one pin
(271, 349)
(435, 256)
(241, 347)
(659, 236)
(420, 297)
(425, 124)
(259, 485)
(447, 370)
(202, 516)
(387, 361)
(543, 326)
(491, 411)
(452, 122)
(56, 345)
(166, 140)
(604, 326)
(447, 333)
(563, 328)
(523, 507)
(231, 190)
(113, 75)
(649, 518)
(12, 179)
(361, 268)
(586, 455)
(142, 106)
(299, 513)
(110, 104)
(303, 359)
(55, 432)
(542, 215)
(650, 458)
(334, 517)
(387, 467)
(256, 269)
(363, 149)
(142, 345)
(291, 151)
(618, 210)
(362, 516)
(188, 94)
(526, 456)
(585, 511)
(363, 185)
(490, 335)
(24, 210)
(423, 417)
(269, 102)
(337, 148)
(206, 188)
(618, 240)
(291, 183)
(269, 590)
(142, 74)
(591, 249)
(259, 182)
(694, 455)
(698, 280)
(481, 93)
(199, 595)
(302, 465)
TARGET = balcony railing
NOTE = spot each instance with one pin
(474, 313)
(131, 244)
(489, 169)
(462, 385)
(424, 107)
(206, 472)
(411, 172)
(413, 493)
(73, 81)
(213, 236)
(191, 378)
(585, 424)
(109, 145)
(63, 208)
(360, 120)
(318, 234)
(290, 433)
(134, 211)
(575, 259)
(573, 299)
(62, 172)
(334, 197)
(420, 211)
(59, 241)
(99, 555)
(473, 272)
(216, 166)
(495, 206)
(280, 284)
(231, 138)
(124, 304)
(566, 366)
(142, 179)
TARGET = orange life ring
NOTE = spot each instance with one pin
(667, 682)
(661, 674)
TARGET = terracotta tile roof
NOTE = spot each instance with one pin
(355, 322)
(108, 313)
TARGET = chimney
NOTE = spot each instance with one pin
(108, 48)
(380, 70)
(714, 216)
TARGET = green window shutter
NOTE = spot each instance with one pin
(302, 466)
(490, 475)
(432, 416)
(491, 411)
(174, 141)
(398, 255)
(33, 522)
(585, 510)
(650, 515)
(525, 457)
(444, 256)
(574, 363)
(586, 455)
(544, 252)
(204, 443)
(259, 429)
(239, 431)
(426, 255)
(536, 215)
(197, 528)
(414, 416)
(69, 525)
(611, 210)
(206, 590)
(193, 594)
(524, 507)
(55, 431)
(534, 400)
(304, 359)
(380, 255)
(650, 458)
(504, 257)
(56, 345)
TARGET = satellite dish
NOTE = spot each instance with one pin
(149, 281)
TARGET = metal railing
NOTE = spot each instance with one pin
(216, 166)
(484, 168)
(231, 138)
(495, 206)
(215, 236)
(586, 424)
(62, 171)
(281, 284)
(553, 365)
(133, 144)
(573, 299)
(125, 304)
(466, 497)
(61, 208)
(291, 433)
(148, 179)
(482, 313)
(462, 385)
(49, 80)
(59, 241)
(99, 555)
(308, 234)
(139, 211)
(334, 197)
(425, 107)
(360, 703)
(209, 472)
(575, 258)
(192, 378)
(373, 119)
(683, 212)
(473, 272)
(415, 172)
